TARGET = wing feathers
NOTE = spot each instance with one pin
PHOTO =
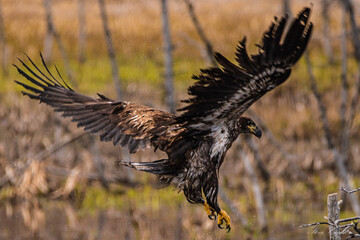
(129, 125)
(222, 94)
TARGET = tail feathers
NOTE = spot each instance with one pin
(159, 167)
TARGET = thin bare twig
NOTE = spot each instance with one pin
(315, 224)
(344, 86)
(169, 73)
(325, 5)
(194, 43)
(287, 8)
(51, 29)
(110, 49)
(48, 39)
(349, 191)
(348, 5)
(82, 31)
(346, 220)
(200, 31)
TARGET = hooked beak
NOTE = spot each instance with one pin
(256, 131)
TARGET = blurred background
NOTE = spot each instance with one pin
(58, 183)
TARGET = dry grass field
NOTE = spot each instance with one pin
(61, 196)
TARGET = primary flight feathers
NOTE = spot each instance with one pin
(129, 125)
(222, 93)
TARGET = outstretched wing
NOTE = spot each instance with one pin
(221, 95)
(126, 124)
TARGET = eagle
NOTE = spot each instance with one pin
(197, 138)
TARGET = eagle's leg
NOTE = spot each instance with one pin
(211, 204)
(223, 218)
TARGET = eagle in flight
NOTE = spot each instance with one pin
(197, 139)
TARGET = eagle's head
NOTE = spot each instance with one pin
(246, 125)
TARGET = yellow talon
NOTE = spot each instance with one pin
(209, 211)
(224, 218)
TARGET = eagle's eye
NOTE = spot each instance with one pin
(252, 127)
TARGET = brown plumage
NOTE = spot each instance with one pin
(197, 140)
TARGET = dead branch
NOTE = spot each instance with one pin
(110, 49)
(82, 31)
(348, 5)
(191, 41)
(286, 7)
(344, 86)
(346, 220)
(325, 5)
(169, 73)
(349, 191)
(315, 224)
(200, 31)
(48, 39)
(51, 31)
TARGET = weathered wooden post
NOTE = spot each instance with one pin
(333, 215)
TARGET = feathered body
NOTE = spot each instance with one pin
(197, 140)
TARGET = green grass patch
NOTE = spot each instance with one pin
(95, 74)
(142, 197)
